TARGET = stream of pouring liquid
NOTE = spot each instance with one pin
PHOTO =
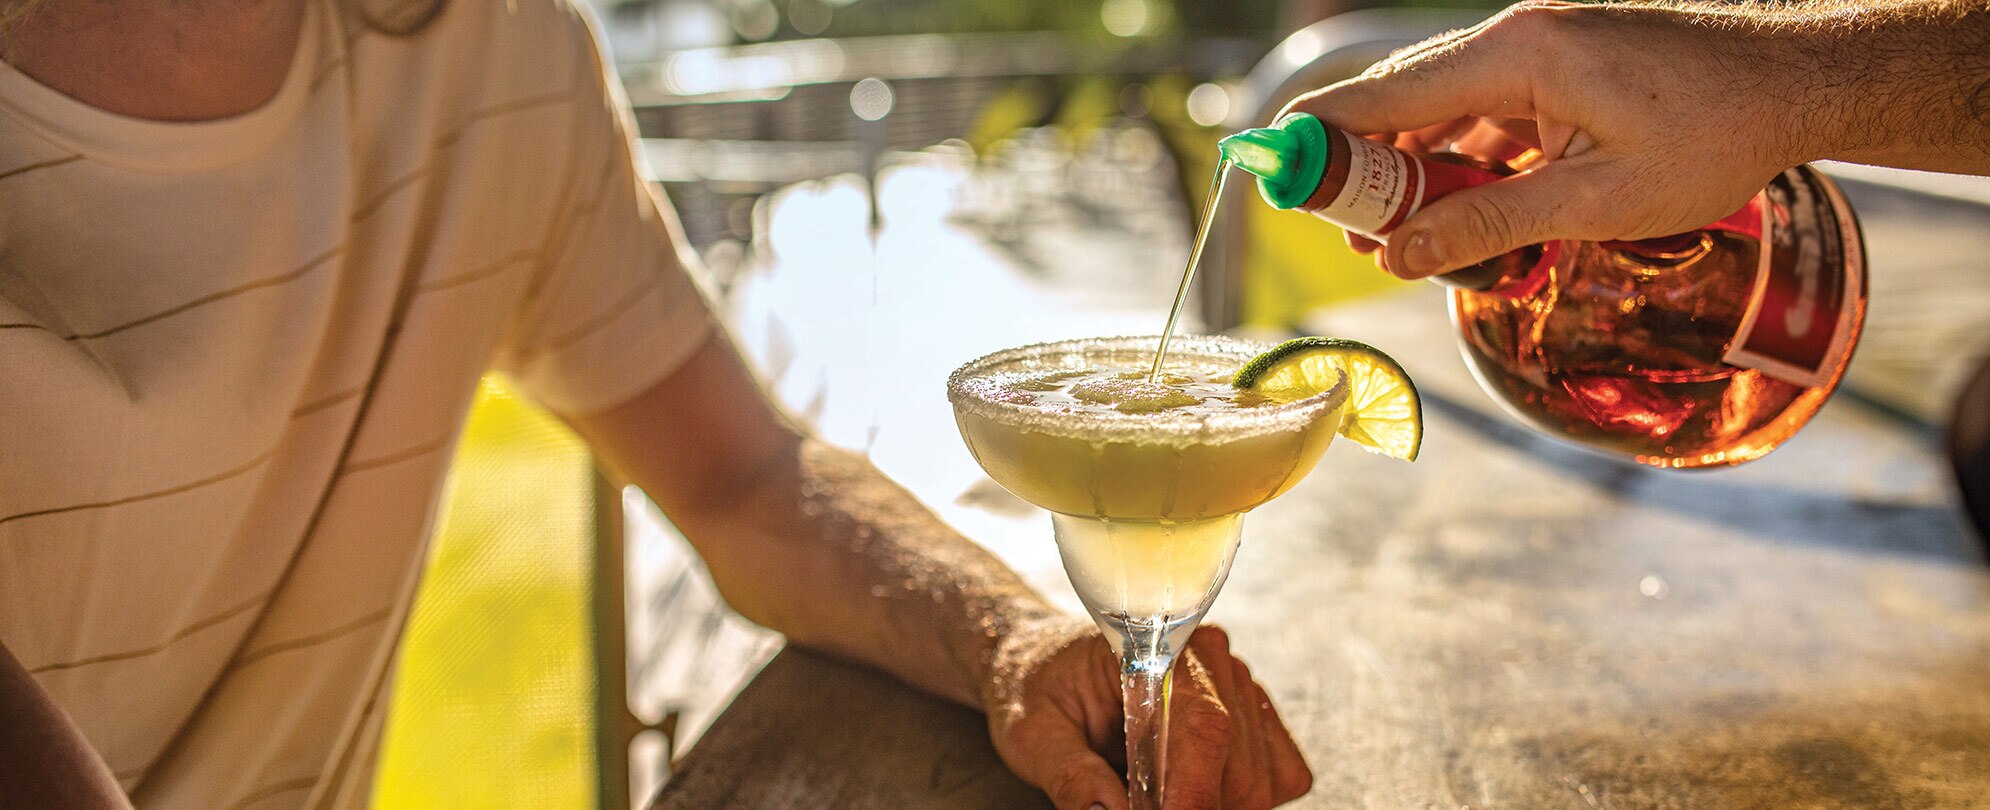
(1194, 258)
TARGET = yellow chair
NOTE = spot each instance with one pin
(494, 701)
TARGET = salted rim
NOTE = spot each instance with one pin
(969, 388)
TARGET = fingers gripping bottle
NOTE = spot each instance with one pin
(1699, 349)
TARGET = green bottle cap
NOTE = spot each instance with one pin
(1288, 157)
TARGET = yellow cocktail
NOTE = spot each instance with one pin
(1147, 482)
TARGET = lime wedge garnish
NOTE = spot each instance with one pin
(1382, 413)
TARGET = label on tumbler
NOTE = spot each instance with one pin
(1801, 317)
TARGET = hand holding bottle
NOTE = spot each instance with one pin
(1653, 121)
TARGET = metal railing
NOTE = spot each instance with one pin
(725, 125)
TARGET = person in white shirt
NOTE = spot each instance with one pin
(254, 257)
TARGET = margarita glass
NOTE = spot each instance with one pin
(1147, 483)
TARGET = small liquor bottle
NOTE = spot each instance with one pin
(1699, 349)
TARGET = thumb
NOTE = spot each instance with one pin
(1476, 224)
(1480, 71)
(1058, 760)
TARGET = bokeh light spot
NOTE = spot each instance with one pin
(871, 99)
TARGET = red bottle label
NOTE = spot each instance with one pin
(1369, 188)
(1378, 186)
(1804, 310)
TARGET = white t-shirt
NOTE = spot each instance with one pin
(235, 356)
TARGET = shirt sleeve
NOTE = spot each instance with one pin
(614, 308)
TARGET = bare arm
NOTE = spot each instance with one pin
(1904, 83)
(776, 514)
(816, 543)
(1659, 118)
(45, 764)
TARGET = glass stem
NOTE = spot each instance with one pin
(1146, 663)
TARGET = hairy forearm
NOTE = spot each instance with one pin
(1902, 83)
(831, 553)
(813, 541)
